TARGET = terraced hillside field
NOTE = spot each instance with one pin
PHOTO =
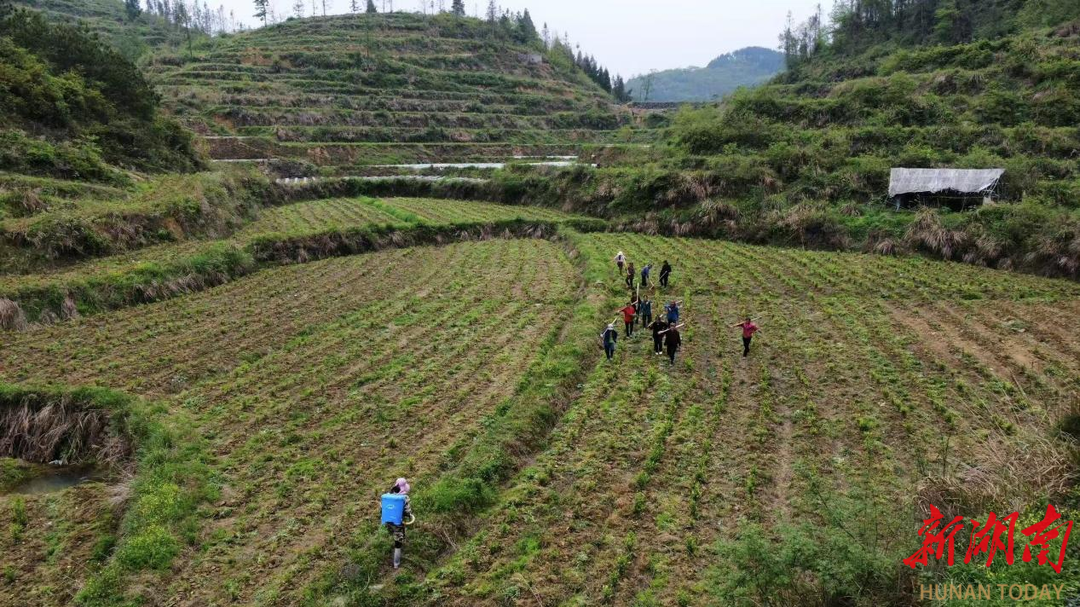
(368, 89)
(300, 230)
(543, 474)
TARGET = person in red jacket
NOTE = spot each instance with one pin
(748, 331)
(628, 313)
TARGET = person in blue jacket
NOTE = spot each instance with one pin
(645, 312)
(401, 487)
(673, 312)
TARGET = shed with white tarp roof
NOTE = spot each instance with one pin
(963, 185)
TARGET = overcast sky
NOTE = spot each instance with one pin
(632, 36)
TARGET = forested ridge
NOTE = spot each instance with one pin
(744, 67)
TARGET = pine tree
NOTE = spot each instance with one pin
(298, 8)
(260, 9)
(492, 12)
(527, 27)
(133, 8)
(354, 6)
(458, 8)
(371, 7)
(618, 90)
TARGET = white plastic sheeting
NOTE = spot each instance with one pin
(932, 181)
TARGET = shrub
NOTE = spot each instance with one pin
(153, 547)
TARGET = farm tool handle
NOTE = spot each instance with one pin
(672, 328)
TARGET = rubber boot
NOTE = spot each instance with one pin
(397, 557)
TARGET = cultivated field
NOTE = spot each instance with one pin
(155, 272)
(878, 384)
(872, 375)
(313, 384)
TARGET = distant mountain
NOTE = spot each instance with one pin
(744, 67)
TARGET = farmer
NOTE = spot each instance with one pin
(748, 330)
(396, 508)
(620, 260)
(672, 311)
(628, 313)
(645, 271)
(630, 276)
(645, 312)
(658, 327)
(673, 340)
(609, 337)
(665, 274)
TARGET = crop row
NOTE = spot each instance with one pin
(343, 154)
(435, 134)
(319, 117)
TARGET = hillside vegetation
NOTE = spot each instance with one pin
(131, 36)
(805, 160)
(378, 88)
(722, 76)
(72, 107)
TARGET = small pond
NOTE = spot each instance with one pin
(49, 479)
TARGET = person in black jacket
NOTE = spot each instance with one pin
(673, 340)
(658, 327)
(610, 336)
(665, 274)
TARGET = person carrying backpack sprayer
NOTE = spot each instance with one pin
(608, 339)
(628, 313)
(395, 509)
(748, 330)
(673, 341)
(665, 274)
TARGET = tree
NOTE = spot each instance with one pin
(260, 10)
(298, 8)
(458, 8)
(354, 6)
(133, 8)
(618, 90)
(371, 7)
(183, 19)
(527, 28)
(648, 84)
(492, 12)
(788, 44)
